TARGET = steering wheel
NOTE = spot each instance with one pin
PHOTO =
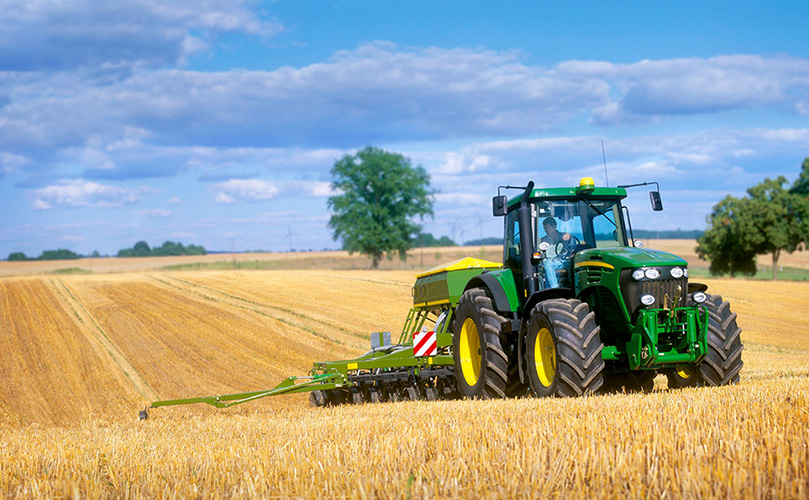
(567, 247)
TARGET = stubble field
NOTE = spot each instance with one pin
(82, 354)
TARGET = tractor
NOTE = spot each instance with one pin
(577, 307)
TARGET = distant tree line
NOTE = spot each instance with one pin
(142, 249)
(427, 240)
(61, 254)
(669, 234)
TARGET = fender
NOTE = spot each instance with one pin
(495, 287)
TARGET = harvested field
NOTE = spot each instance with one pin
(83, 353)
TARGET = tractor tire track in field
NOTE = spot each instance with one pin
(259, 308)
(97, 337)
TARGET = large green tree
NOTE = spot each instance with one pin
(770, 220)
(379, 196)
(801, 185)
(724, 243)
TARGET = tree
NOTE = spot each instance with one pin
(770, 220)
(17, 256)
(723, 244)
(380, 193)
(60, 254)
(141, 249)
(801, 185)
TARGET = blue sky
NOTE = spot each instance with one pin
(218, 121)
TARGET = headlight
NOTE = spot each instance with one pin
(647, 300)
(699, 297)
(685, 271)
(676, 272)
(637, 274)
(652, 273)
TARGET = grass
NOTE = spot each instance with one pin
(763, 274)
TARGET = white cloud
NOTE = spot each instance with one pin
(174, 200)
(376, 93)
(155, 213)
(12, 163)
(462, 198)
(320, 189)
(649, 89)
(241, 190)
(120, 35)
(79, 193)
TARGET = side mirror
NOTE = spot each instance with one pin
(657, 203)
(499, 206)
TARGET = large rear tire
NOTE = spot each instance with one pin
(481, 363)
(722, 364)
(563, 349)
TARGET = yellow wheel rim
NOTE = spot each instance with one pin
(470, 352)
(545, 357)
(686, 371)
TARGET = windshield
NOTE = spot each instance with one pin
(568, 226)
(592, 223)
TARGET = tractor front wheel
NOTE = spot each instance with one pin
(563, 349)
(722, 364)
(481, 363)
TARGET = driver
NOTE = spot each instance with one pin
(553, 237)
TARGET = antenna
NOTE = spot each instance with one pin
(604, 156)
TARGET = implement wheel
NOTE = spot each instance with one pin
(317, 399)
(563, 349)
(481, 363)
(722, 364)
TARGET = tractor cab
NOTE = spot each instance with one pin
(559, 222)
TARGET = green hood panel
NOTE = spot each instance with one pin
(628, 257)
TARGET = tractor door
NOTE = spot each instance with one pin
(512, 257)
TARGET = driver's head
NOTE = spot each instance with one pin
(549, 224)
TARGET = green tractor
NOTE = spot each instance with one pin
(583, 307)
(577, 307)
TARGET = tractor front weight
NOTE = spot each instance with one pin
(664, 338)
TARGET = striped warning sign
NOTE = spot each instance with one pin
(424, 343)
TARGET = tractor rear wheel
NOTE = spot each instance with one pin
(722, 364)
(563, 349)
(481, 363)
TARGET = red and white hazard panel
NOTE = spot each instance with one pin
(425, 343)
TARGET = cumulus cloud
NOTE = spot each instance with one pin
(374, 93)
(104, 36)
(379, 92)
(12, 163)
(649, 89)
(80, 193)
(242, 190)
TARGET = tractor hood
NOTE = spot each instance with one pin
(628, 257)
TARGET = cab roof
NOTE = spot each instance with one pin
(572, 193)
